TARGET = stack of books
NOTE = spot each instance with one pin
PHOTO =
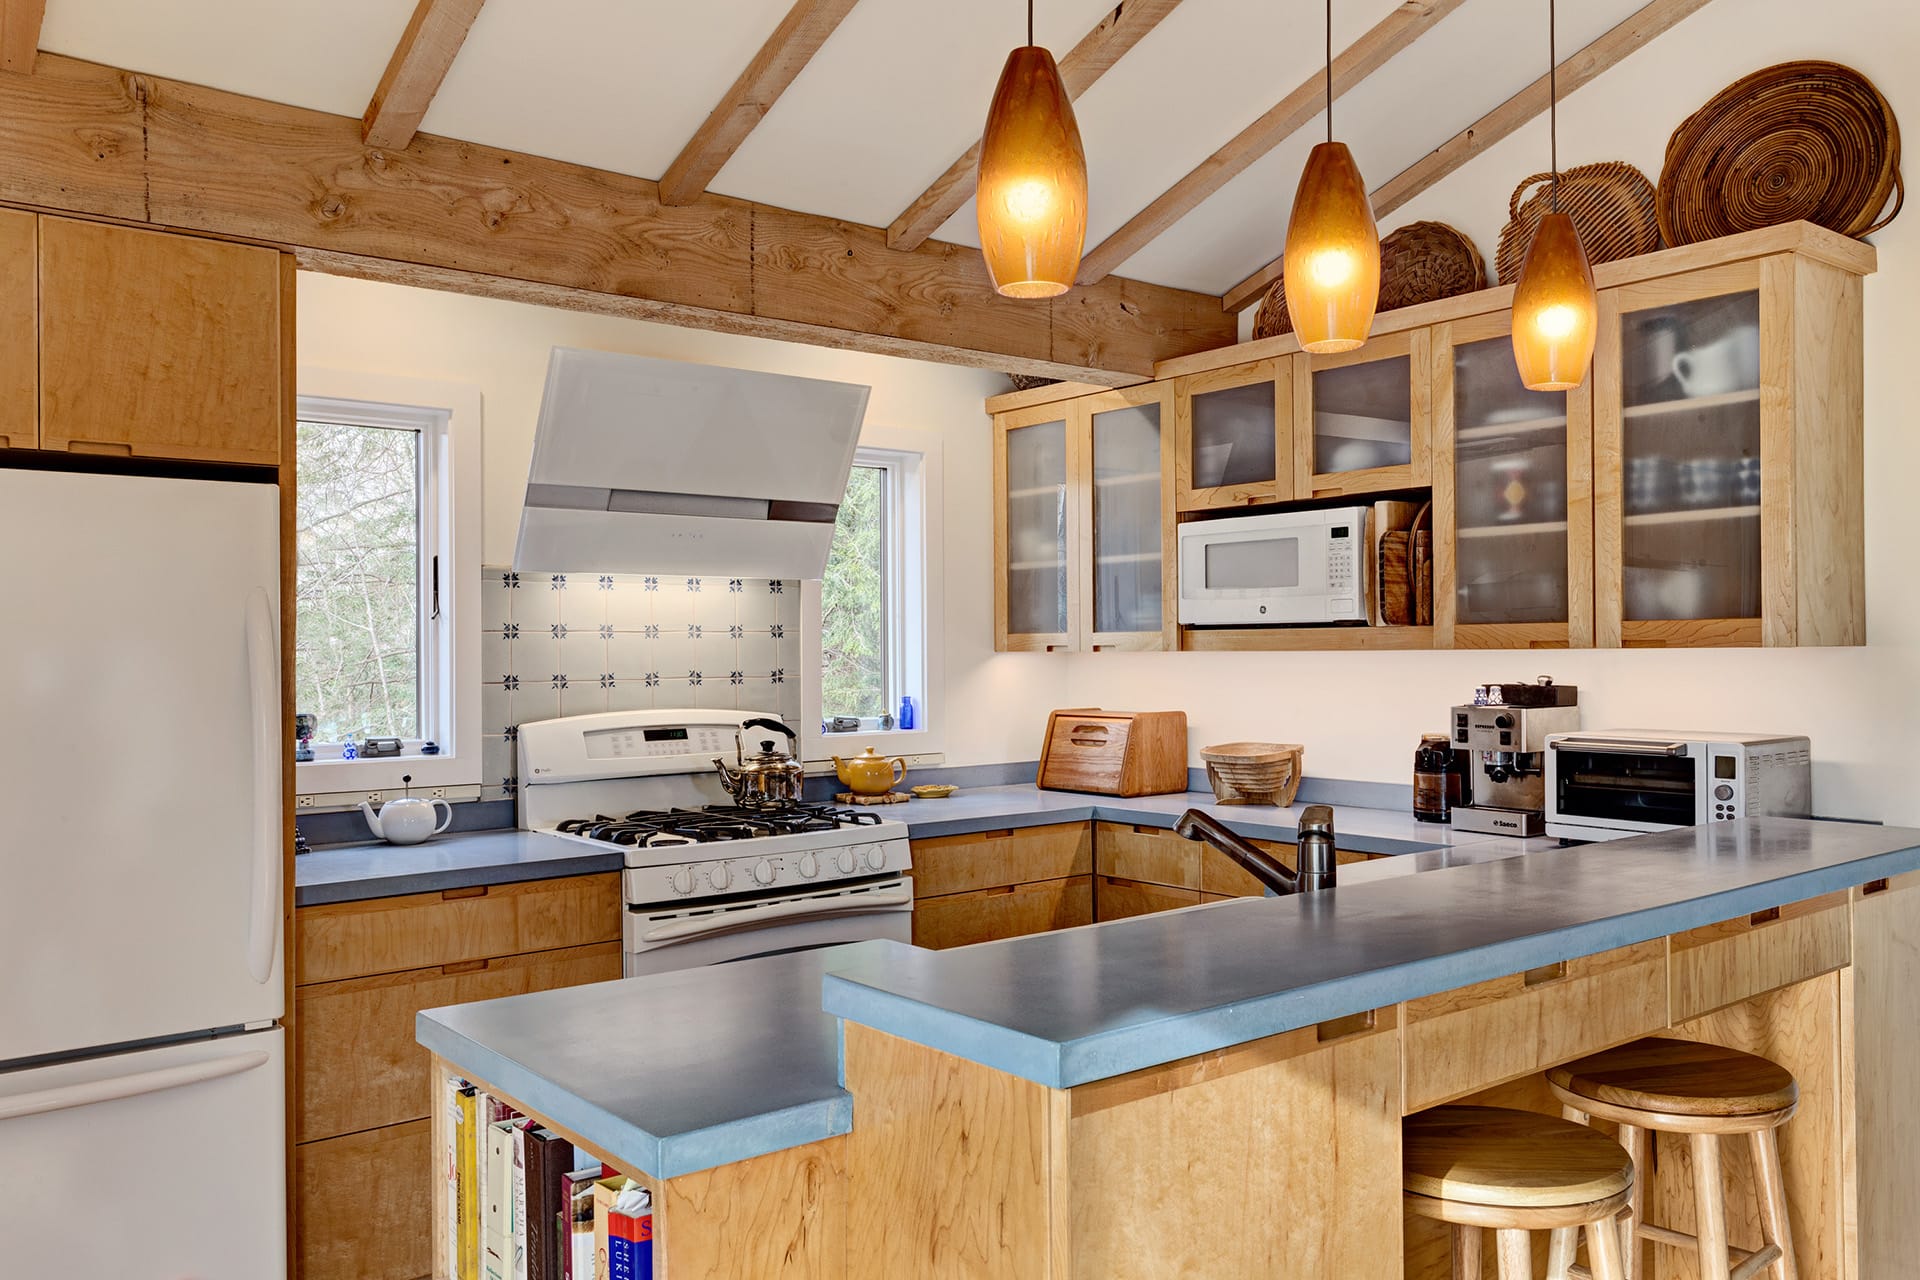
(522, 1204)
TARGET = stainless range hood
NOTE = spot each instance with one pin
(656, 466)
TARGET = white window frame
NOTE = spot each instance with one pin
(915, 622)
(448, 415)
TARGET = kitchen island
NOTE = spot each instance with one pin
(1217, 1091)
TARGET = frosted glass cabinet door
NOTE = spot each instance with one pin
(1036, 519)
(1130, 520)
(1234, 436)
(1361, 419)
(1514, 467)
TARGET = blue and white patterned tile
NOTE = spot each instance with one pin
(496, 600)
(677, 654)
(630, 604)
(535, 699)
(757, 654)
(717, 694)
(496, 708)
(756, 610)
(757, 694)
(630, 693)
(674, 691)
(583, 698)
(789, 650)
(496, 761)
(629, 654)
(496, 651)
(583, 657)
(539, 651)
(674, 606)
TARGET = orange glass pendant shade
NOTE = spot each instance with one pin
(1332, 263)
(1032, 194)
(1555, 312)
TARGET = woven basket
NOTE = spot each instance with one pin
(1801, 140)
(1611, 204)
(1420, 262)
(1254, 772)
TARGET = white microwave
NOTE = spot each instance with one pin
(1282, 567)
(1626, 782)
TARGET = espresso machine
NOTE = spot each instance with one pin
(1503, 735)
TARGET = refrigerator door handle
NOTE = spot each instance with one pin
(263, 691)
(85, 1095)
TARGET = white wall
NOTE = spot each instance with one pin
(1361, 714)
(502, 348)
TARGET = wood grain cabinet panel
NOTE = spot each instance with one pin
(366, 1205)
(1155, 855)
(1010, 911)
(1458, 1042)
(1725, 963)
(158, 345)
(991, 859)
(1117, 899)
(416, 931)
(360, 1066)
(19, 332)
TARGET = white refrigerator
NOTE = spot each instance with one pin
(142, 1061)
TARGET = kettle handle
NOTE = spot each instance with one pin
(899, 767)
(446, 821)
(764, 722)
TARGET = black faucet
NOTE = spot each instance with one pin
(1314, 850)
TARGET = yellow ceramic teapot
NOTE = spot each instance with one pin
(868, 774)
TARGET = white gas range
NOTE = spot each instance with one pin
(706, 881)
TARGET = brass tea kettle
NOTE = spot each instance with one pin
(768, 779)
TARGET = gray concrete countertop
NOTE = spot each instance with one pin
(375, 869)
(1079, 1005)
(673, 1073)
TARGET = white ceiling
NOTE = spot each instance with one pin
(896, 94)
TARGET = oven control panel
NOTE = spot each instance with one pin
(757, 873)
(658, 743)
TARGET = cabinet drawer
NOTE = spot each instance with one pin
(1117, 899)
(19, 333)
(424, 930)
(992, 859)
(1222, 876)
(1458, 1042)
(1722, 964)
(1013, 911)
(1151, 854)
(366, 1205)
(360, 1066)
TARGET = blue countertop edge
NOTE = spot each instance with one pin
(372, 869)
(874, 994)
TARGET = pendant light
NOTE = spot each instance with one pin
(1031, 198)
(1332, 264)
(1555, 313)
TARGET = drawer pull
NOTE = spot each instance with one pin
(471, 891)
(1351, 1025)
(1764, 917)
(104, 448)
(1544, 974)
(1874, 886)
(464, 966)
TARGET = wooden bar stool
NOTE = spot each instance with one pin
(1705, 1092)
(1515, 1172)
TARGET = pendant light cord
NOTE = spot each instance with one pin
(1029, 23)
(1329, 70)
(1553, 97)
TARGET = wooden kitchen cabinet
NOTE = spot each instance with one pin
(366, 1204)
(1036, 519)
(159, 345)
(1363, 419)
(1233, 437)
(1010, 911)
(1146, 869)
(19, 331)
(1002, 884)
(1512, 498)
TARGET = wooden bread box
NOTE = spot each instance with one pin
(1115, 753)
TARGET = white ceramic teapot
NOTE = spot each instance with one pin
(407, 819)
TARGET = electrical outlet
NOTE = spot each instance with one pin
(376, 797)
(303, 802)
(438, 793)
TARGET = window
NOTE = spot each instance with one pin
(874, 631)
(387, 529)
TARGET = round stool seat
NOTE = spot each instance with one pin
(1493, 1156)
(1679, 1078)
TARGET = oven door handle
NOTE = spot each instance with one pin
(754, 917)
(1615, 747)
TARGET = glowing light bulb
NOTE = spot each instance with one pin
(1556, 321)
(1030, 200)
(1331, 268)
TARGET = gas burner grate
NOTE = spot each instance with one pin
(714, 824)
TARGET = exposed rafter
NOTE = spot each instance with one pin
(20, 33)
(1632, 33)
(420, 62)
(1361, 59)
(1121, 29)
(789, 49)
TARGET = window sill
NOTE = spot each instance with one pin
(384, 773)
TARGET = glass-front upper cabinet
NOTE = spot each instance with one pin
(1128, 601)
(1683, 460)
(1363, 419)
(1234, 437)
(1036, 520)
(1512, 495)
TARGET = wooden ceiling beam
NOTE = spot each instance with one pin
(1123, 27)
(20, 33)
(1583, 67)
(1359, 60)
(420, 62)
(456, 215)
(786, 52)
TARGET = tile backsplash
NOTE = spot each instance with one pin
(565, 644)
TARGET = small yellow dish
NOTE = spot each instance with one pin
(933, 791)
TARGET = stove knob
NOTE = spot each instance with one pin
(809, 866)
(683, 880)
(845, 862)
(876, 857)
(721, 876)
(763, 873)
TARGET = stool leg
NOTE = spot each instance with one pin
(1466, 1252)
(1564, 1243)
(1774, 1227)
(1515, 1248)
(1710, 1199)
(1603, 1250)
(1636, 1140)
